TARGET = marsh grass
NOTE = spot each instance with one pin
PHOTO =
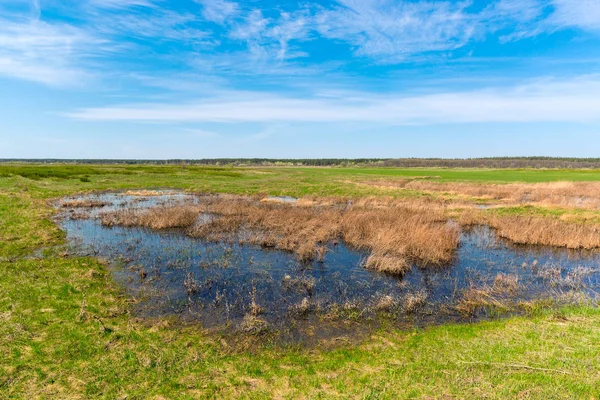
(162, 217)
(386, 303)
(396, 235)
(537, 230)
(497, 296)
(413, 301)
(584, 195)
(83, 203)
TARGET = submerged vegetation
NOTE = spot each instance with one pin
(68, 331)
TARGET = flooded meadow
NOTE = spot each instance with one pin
(234, 282)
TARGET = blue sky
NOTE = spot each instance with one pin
(263, 78)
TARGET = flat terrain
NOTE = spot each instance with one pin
(66, 330)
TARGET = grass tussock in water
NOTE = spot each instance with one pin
(162, 217)
(498, 295)
(83, 203)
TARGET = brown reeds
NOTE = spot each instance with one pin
(162, 217)
(497, 295)
(584, 195)
(83, 203)
(537, 229)
(396, 234)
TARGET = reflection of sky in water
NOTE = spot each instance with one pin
(227, 274)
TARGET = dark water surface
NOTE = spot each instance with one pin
(217, 284)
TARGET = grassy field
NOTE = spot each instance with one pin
(66, 330)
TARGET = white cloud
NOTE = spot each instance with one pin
(218, 11)
(159, 25)
(517, 11)
(38, 48)
(41, 52)
(584, 14)
(398, 29)
(270, 38)
(576, 100)
(121, 4)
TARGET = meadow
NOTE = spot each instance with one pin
(68, 330)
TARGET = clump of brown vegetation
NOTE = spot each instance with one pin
(387, 264)
(496, 295)
(564, 194)
(395, 234)
(83, 203)
(303, 284)
(253, 325)
(386, 303)
(413, 301)
(537, 229)
(162, 217)
(254, 309)
(190, 284)
(302, 308)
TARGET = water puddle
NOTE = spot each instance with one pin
(282, 199)
(245, 288)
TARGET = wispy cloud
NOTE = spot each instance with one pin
(52, 54)
(218, 11)
(108, 37)
(120, 4)
(584, 14)
(158, 25)
(397, 29)
(574, 100)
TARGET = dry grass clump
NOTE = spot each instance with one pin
(506, 284)
(190, 284)
(83, 203)
(386, 303)
(395, 233)
(254, 309)
(253, 325)
(302, 308)
(162, 217)
(413, 301)
(496, 295)
(395, 265)
(303, 284)
(564, 194)
(538, 230)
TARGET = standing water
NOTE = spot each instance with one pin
(244, 287)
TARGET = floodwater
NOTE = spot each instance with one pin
(235, 287)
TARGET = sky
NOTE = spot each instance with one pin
(158, 79)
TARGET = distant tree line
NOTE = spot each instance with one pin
(493, 162)
(496, 162)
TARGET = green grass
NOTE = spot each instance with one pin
(66, 330)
